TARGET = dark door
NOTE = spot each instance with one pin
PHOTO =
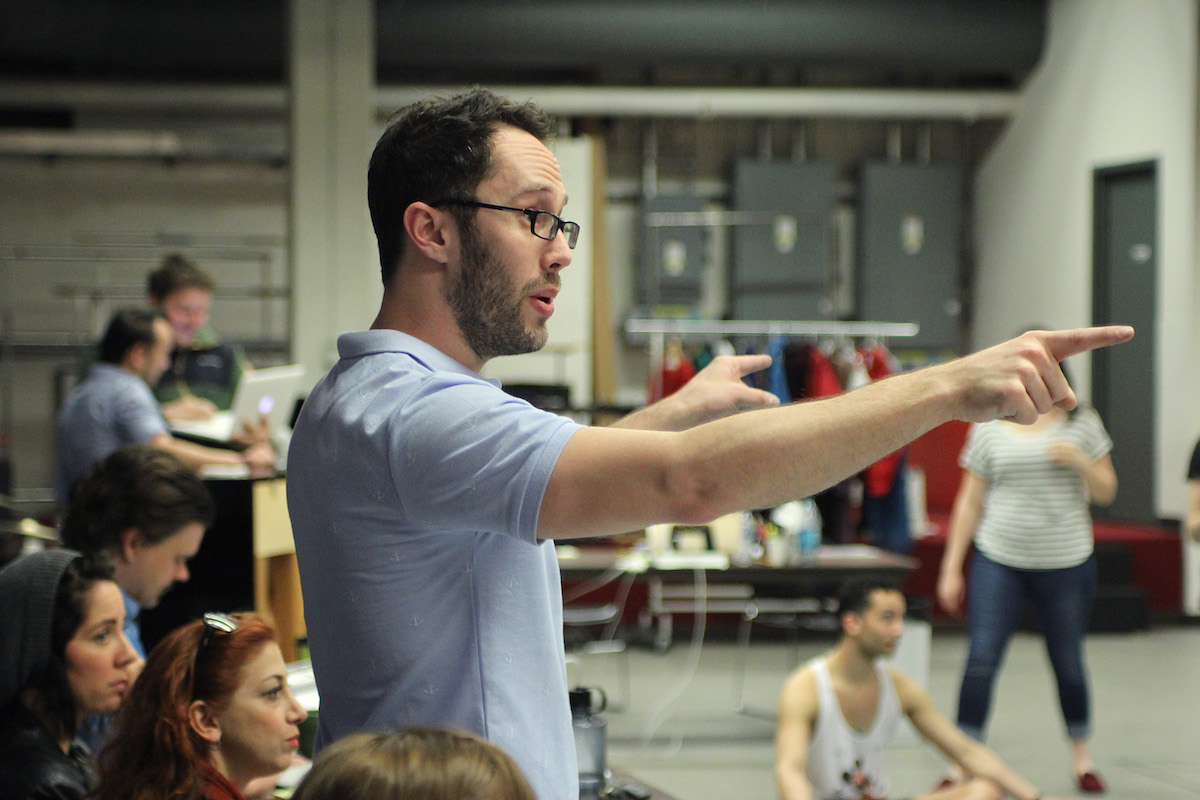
(1125, 291)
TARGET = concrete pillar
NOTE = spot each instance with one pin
(335, 269)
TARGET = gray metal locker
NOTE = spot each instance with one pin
(782, 239)
(673, 256)
(910, 248)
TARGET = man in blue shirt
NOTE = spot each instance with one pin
(423, 498)
(113, 405)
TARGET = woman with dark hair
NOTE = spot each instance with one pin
(1024, 503)
(211, 712)
(62, 656)
(415, 764)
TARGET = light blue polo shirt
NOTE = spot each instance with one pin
(110, 409)
(414, 487)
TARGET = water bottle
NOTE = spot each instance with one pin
(810, 529)
(591, 741)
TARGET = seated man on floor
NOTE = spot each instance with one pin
(838, 714)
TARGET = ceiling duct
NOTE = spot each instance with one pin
(972, 41)
(836, 43)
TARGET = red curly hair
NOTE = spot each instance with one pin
(154, 754)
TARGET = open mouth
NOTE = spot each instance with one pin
(543, 302)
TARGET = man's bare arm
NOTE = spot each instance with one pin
(259, 458)
(975, 759)
(798, 708)
(612, 480)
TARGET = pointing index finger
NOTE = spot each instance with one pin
(748, 365)
(1062, 344)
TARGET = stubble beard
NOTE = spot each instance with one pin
(485, 308)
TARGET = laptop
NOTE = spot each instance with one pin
(271, 392)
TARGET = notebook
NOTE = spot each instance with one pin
(270, 392)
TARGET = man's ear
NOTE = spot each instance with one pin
(429, 230)
(204, 721)
(135, 356)
(130, 540)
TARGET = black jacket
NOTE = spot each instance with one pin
(33, 766)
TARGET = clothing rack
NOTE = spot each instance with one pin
(656, 331)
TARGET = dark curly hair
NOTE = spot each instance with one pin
(135, 487)
(436, 149)
(126, 328)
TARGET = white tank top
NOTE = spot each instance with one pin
(844, 764)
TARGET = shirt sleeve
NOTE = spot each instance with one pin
(1098, 442)
(974, 454)
(1194, 467)
(137, 416)
(467, 456)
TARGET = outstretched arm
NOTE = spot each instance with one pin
(259, 458)
(763, 458)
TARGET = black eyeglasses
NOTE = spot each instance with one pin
(542, 224)
(215, 622)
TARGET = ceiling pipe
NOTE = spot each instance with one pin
(90, 144)
(570, 101)
(143, 97)
(651, 103)
(746, 103)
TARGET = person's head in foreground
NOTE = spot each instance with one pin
(211, 712)
(414, 764)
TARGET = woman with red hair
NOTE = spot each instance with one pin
(211, 712)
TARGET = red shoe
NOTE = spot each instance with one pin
(1090, 783)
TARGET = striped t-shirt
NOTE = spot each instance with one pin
(1035, 514)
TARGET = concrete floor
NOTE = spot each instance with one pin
(681, 735)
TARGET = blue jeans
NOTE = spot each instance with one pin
(1062, 599)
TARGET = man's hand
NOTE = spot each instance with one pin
(253, 433)
(188, 408)
(718, 390)
(260, 458)
(1020, 379)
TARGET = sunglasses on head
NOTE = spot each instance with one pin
(215, 622)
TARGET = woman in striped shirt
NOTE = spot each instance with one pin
(1024, 502)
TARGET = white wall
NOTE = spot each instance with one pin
(567, 357)
(77, 239)
(1117, 85)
